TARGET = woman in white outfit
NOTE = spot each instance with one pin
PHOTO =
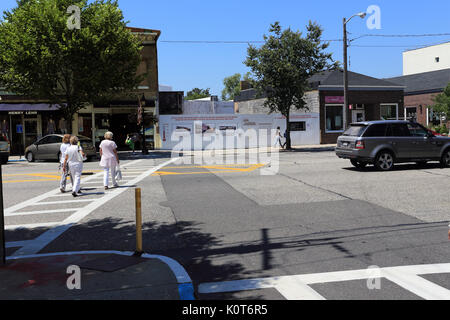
(74, 157)
(65, 144)
(109, 159)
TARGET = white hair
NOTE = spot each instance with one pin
(108, 135)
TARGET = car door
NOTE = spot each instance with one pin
(424, 145)
(42, 148)
(399, 137)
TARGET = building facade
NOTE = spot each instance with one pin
(25, 119)
(369, 99)
(432, 58)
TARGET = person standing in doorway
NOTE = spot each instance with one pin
(65, 173)
(51, 126)
(74, 158)
(109, 159)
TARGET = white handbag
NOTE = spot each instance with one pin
(118, 174)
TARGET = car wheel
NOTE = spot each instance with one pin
(357, 164)
(384, 161)
(30, 157)
(445, 160)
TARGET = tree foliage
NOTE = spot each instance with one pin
(197, 93)
(232, 86)
(42, 58)
(284, 63)
(442, 103)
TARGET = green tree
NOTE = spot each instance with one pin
(197, 93)
(41, 57)
(442, 103)
(284, 63)
(232, 86)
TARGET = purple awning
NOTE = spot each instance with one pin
(28, 107)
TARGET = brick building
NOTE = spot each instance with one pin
(369, 99)
(420, 89)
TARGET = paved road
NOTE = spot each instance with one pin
(315, 216)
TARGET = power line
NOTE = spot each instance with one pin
(401, 35)
(224, 42)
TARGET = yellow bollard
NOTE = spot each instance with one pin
(139, 250)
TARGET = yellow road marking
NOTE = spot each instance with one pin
(222, 169)
(49, 175)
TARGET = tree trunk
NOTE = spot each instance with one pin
(288, 132)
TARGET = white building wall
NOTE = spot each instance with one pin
(424, 59)
(212, 130)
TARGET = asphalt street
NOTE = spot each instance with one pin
(315, 214)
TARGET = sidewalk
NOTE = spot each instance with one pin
(102, 275)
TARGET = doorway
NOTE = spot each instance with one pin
(358, 116)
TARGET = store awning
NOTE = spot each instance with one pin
(28, 107)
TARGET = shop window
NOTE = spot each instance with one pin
(334, 118)
(411, 113)
(297, 126)
(388, 112)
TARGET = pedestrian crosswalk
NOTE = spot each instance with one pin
(298, 287)
(67, 209)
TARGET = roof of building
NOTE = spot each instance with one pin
(334, 80)
(426, 82)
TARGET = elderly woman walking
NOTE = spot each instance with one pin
(65, 173)
(74, 158)
(109, 159)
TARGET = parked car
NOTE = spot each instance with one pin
(47, 148)
(5, 148)
(384, 143)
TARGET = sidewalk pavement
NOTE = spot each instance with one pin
(102, 276)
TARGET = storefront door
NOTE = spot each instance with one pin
(31, 131)
(17, 133)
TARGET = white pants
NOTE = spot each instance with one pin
(106, 176)
(76, 168)
(64, 175)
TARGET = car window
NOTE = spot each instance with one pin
(398, 130)
(417, 131)
(44, 140)
(54, 139)
(376, 130)
(355, 130)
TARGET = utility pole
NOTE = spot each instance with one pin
(362, 15)
(344, 123)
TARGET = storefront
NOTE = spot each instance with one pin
(23, 124)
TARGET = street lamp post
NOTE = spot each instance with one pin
(362, 15)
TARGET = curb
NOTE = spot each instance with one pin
(185, 286)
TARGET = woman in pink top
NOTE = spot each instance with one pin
(109, 159)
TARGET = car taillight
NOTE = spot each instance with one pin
(359, 145)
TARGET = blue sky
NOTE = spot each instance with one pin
(185, 66)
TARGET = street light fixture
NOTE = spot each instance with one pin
(362, 15)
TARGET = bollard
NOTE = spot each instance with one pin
(139, 250)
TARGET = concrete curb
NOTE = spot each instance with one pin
(185, 286)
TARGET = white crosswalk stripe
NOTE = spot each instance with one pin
(76, 214)
(297, 287)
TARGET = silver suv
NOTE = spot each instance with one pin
(384, 143)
